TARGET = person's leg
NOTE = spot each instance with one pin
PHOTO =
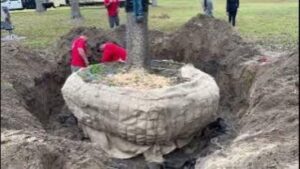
(138, 10)
(10, 32)
(210, 8)
(111, 21)
(210, 13)
(136, 7)
(140, 7)
(117, 20)
(233, 17)
(230, 17)
(206, 12)
(203, 6)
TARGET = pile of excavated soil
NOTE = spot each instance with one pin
(37, 129)
(259, 98)
(63, 46)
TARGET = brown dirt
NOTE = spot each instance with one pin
(37, 130)
(259, 100)
(97, 35)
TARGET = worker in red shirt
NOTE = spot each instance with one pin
(112, 7)
(112, 52)
(79, 58)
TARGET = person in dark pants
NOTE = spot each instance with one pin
(207, 7)
(5, 20)
(231, 8)
(113, 12)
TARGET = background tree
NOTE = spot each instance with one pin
(75, 10)
(39, 6)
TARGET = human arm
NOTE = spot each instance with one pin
(237, 4)
(121, 60)
(83, 56)
(118, 6)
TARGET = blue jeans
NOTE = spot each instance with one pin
(138, 8)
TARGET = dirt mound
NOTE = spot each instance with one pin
(204, 42)
(24, 149)
(269, 125)
(37, 130)
(16, 85)
(96, 35)
(254, 92)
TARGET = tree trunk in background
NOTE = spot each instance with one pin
(75, 10)
(137, 41)
(39, 6)
(154, 3)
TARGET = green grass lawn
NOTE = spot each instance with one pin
(269, 21)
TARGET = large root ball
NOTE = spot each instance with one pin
(126, 121)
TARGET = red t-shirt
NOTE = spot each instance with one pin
(113, 52)
(76, 57)
(112, 7)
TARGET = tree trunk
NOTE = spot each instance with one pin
(137, 33)
(75, 10)
(154, 3)
(137, 41)
(39, 6)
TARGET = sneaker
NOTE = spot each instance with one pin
(139, 19)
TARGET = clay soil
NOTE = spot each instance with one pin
(259, 102)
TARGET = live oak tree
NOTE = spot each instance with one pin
(137, 36)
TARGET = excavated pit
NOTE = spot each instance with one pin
(31, 101)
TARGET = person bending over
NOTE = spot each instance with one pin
(112, 52)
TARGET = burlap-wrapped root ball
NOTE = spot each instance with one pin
(126, 122)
